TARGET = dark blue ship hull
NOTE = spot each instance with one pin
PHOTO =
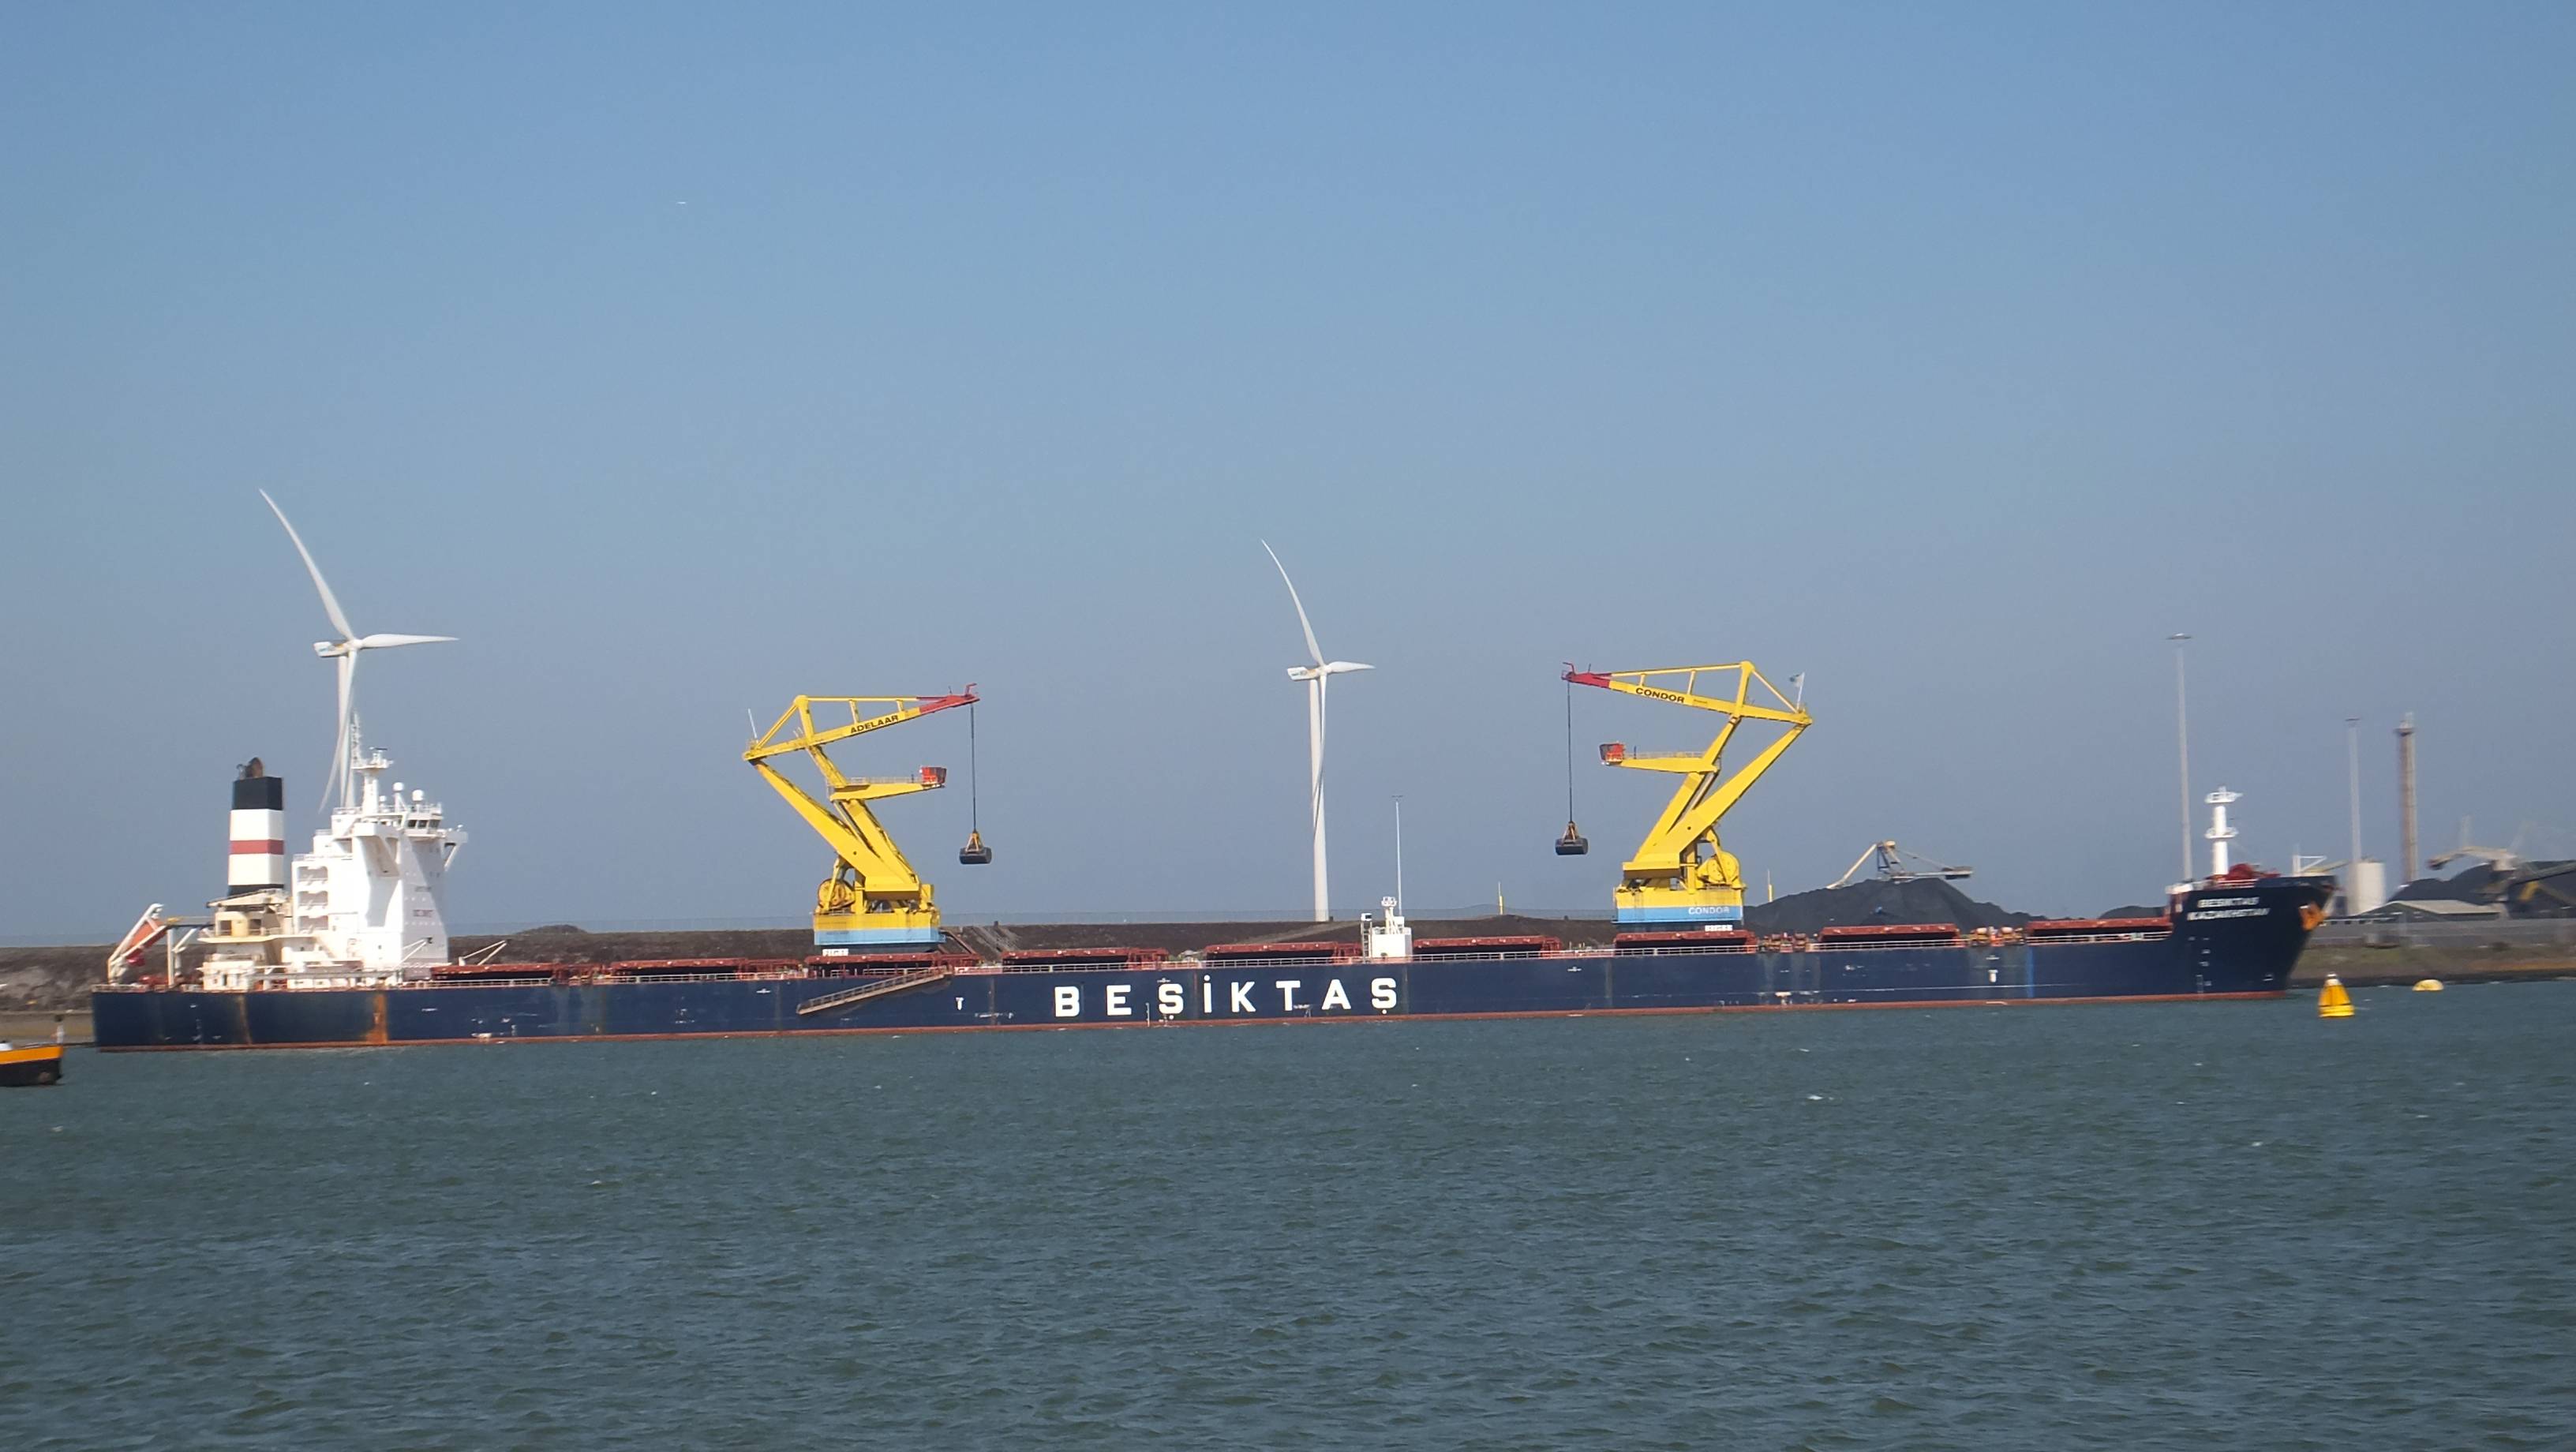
(2233, 942)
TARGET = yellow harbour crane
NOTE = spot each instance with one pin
(1680, 873)
(874, 898)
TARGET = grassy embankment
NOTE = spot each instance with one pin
(38, 1028)
(2500, 963)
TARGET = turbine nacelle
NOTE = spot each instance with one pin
(383, 640)
(1328, 668)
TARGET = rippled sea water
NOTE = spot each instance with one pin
(2192, 1225)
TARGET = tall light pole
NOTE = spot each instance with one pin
(2182, 735)
(2352, 755)
(1399, 851)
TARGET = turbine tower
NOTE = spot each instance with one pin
(345, 651)
(1317, 678)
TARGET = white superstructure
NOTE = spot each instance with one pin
(1387, 935)
(366, 898)
(360, 910)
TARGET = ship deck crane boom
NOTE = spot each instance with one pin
(2505, 860)
(874, 897)
(1681, 872)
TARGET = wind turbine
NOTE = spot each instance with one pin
(1317, 678)
(345, 651)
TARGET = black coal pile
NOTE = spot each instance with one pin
(2533, 889)
(565, 943)
(2479, 883)
(1875, 904)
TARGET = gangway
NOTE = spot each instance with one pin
(1681, 873)
(878, 988)
(873, 900)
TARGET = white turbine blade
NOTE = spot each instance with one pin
(379, 642)
(1314, 652)
(1341, 667)
(330, 603)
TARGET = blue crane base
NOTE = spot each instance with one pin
(866, 939)
(1731, 914)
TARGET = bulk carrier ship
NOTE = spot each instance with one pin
(346, 943)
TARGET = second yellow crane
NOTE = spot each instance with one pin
(873, 899)
(1681, 874)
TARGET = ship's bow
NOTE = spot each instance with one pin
(2246, 936)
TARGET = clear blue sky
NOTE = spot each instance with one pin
(681, 359)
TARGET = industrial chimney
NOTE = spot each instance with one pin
(2408, 864)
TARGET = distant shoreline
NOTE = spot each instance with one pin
(33, 1026)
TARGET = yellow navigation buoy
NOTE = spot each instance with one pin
(2334, 1001)
(2428, 985)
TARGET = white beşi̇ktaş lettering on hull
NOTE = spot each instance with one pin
(1242, 998)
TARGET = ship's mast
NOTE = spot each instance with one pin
(2219, 833)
